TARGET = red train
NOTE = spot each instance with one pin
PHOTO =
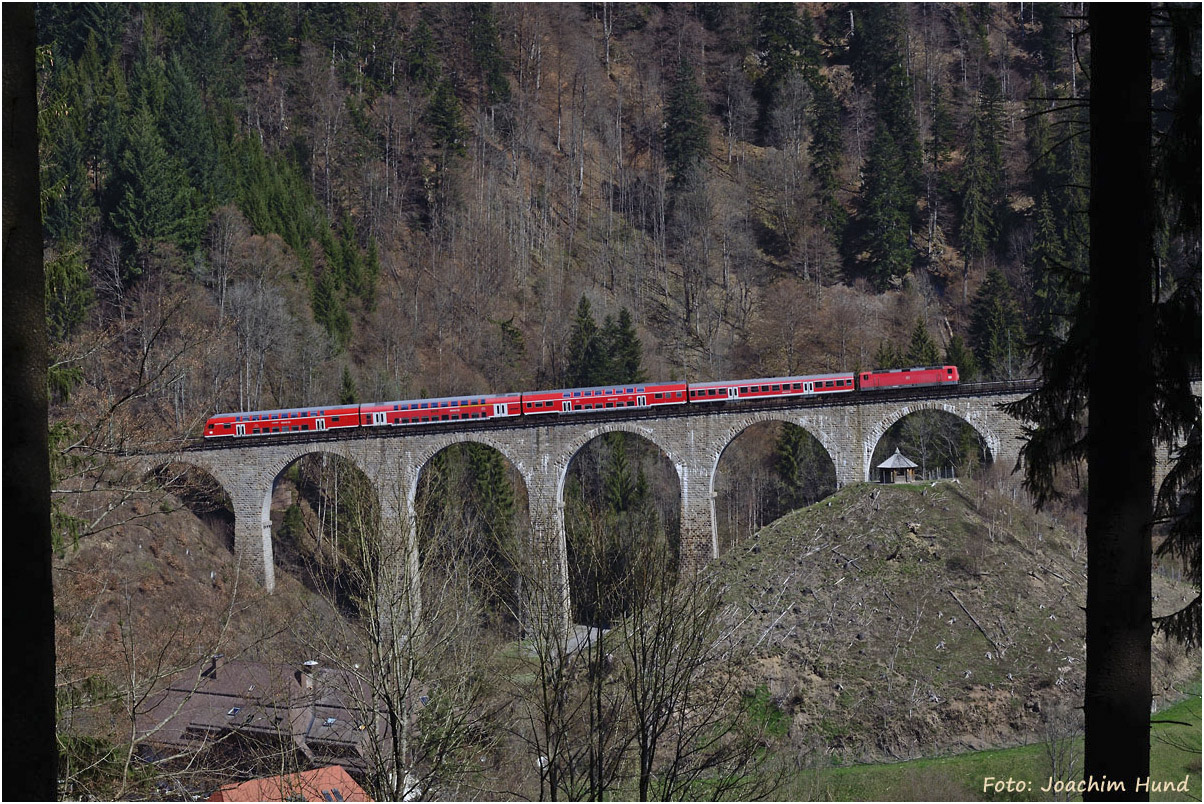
(566, 401)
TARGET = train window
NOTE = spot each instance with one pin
(254, 431)
(798, 386)
(712, 391)
(610, 404)
(275, 429)
(444, 417)
(227, 425)
(426, 418)
(828, 384)
(576, 393)
(777, 388)
(295, 428)
(305, 427)
(659, 396)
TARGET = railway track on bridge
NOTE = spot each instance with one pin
(964, 390)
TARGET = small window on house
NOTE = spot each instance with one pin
(330, 721)
(234, 710)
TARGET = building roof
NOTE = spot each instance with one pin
(897, 461)
(331, 783)
(323, 711)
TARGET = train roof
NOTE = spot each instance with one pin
(760, 380)
(637, 386)
(468, 399)
(308, 409)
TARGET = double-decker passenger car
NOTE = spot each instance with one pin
(768, 388)
(443, 409)
(918, 376)
(290, 420)
(603, 397)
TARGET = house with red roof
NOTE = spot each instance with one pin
(331, 783)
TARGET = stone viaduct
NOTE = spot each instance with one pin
(540, 449)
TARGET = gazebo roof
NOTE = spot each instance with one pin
(897, 461)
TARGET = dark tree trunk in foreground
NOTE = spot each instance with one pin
(1120, 403)
(30, 753)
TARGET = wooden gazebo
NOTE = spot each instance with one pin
(896, 469)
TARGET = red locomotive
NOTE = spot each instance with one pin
(908, 377)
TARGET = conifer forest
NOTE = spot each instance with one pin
(253, 206)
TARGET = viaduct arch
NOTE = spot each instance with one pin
(847, 427)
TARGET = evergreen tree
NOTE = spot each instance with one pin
(422, 65)
(888, 356)
(587, 364)
(895, 110)
(188, 133)
(997, 330)
(445, 120)
(1047, 268)
(623, 349)
(956, 354)
(348, 395)
(800, 463)
(487, 53)
(886, 207)
(826, 149)
(685, 128)
(154, 200)
(619, 486)
(923, 350)
(329, 310)
(979, 198)
(69, 206)
(69, 293)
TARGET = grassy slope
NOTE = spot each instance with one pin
(901, 622)
(1174, 754)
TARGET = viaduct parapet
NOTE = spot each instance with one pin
(693, 439)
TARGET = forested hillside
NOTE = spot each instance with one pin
(260, 205)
